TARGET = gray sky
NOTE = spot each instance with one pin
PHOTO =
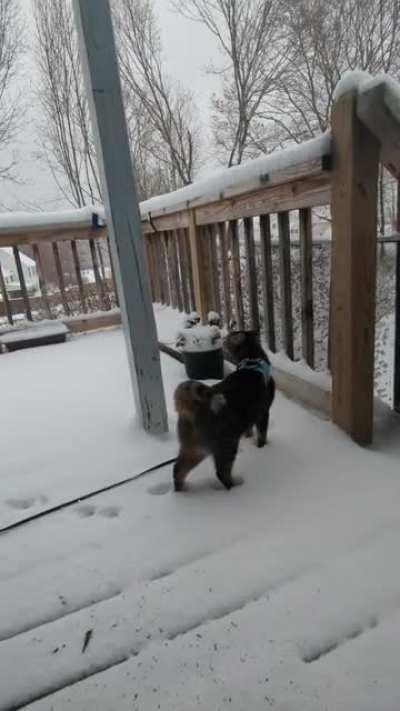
(188, 48)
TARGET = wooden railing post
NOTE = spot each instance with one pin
(286, 283)
(396, 374)
(251, 272)
(183, 269)
(211, 238)
(60, 278)
(42, 281)
(75, 257)
(6, 301)
(200, 271)
(306, 282)
(267, 281)
(226, 281)
(21, 278)
(354, 229)
(236, 272)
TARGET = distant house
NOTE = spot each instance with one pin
(10, 274)
(88, 275)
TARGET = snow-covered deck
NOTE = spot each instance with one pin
(282, 594)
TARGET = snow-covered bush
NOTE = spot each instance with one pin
(214, 319)
(198, 339)
(191, 320)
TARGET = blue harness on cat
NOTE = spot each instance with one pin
(257, 365)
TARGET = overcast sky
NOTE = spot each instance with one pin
(188, 48)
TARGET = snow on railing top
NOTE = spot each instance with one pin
(362, 82)
(217, 186)
(222, 183)
(86, 217)
(378, 108)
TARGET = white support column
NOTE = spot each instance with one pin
(100, 66)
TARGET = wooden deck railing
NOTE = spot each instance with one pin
(218, 255)
(68, 294)
(227, 245)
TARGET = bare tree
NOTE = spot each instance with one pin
(167, 107)
(153, 177)
(11, 45)
(327, 40)
(253, 41)
(66, 136)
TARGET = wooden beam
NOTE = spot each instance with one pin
(164, 270)
(247, 187)
(354, 230)
(308, 192)
(164, 222)
(60, 278)
(200, 269)
(237, 272)
(21, 278)
(396, 374)
(190, 270)
(114, 283)
(6, 301)
(175, 270)
(267, 280)
(75, 257)
(152, 269)
(42, 281)
(93, 322)
(226, 280)
(97, 275)
(159, 253)
(306, 278)
(312, 191)
(285, 283)
(100, 67)
(213, 260)
(183, 264)
(179, 275)
(251, 273)
(10, 239)
(171, 273)
(330, 326)
(107, 299)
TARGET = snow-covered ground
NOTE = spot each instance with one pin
(283, 593)
(68, 423)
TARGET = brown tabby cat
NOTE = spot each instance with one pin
(211, 420)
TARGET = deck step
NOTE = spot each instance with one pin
(43, 333)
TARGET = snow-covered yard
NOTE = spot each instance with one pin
(284, 593)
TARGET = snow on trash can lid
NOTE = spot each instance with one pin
(199, 339)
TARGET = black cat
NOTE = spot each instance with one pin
(211, 420)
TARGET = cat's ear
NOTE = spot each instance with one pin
(253, 336)
(235, 339)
